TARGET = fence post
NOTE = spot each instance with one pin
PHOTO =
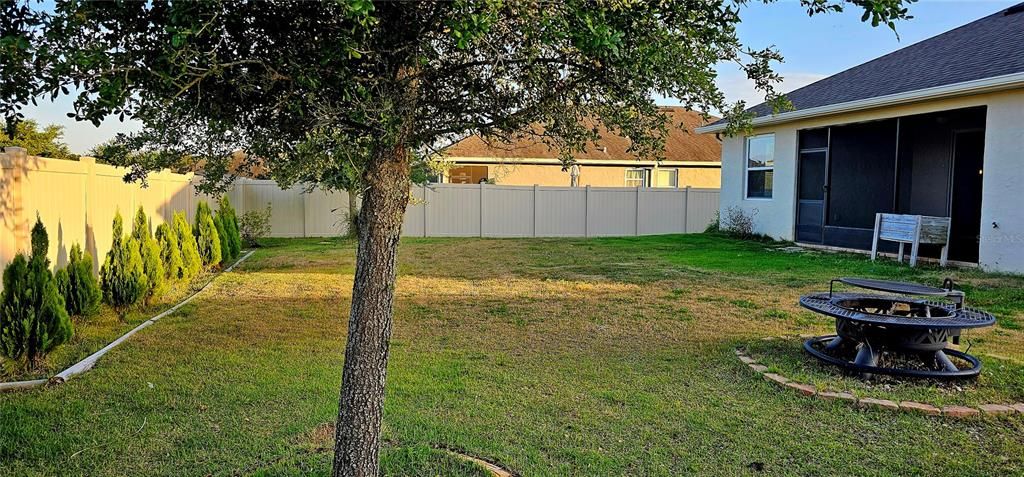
(88, 198)
(305, 197)
(481, 209)
(586, 211)
(686, 211)
(423, 190)
(535, 210)
(636, 214)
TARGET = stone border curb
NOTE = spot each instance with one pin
(90, 361)
(808, 390)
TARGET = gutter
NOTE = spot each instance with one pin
(515, 161)
(984, 85)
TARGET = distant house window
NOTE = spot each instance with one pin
(636, 178)
(666, 178)
(760, 157)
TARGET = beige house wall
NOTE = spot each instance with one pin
(595, 176)
(1002, 231)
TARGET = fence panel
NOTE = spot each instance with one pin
(612, 211)
(507, 211)
(702, 208)
(561, 212)
(453, 210)
(662, 211)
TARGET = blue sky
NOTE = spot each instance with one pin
(814, 48)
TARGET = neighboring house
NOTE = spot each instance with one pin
(690, 160)
(936, 128)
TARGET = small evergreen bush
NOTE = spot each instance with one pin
(149, 250)
(170, 253)
(191, 262)
(33, 320)
(123, 276)
(207, 239)
(225, 248)
(254, 225)
(229, 220)
(77, 284)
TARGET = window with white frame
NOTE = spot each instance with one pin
(760, 166)
(665, 178)
(636, 177)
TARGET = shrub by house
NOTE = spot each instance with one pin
(254, 225)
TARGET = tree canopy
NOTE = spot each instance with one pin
(317, 85)
(45, 142)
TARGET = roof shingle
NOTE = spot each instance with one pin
(681, 144)
(989, 47)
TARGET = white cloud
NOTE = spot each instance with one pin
(736, 87)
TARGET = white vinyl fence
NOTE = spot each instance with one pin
(482, 210)
(470, 210)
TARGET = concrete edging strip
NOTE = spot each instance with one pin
(90, 361)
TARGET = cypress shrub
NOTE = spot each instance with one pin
(170, 253)
(123, 276)
(225, 248)
(207, 239)
(77, 284)
(229, 220)
(33, 320)
(149, 250)
(191, 262)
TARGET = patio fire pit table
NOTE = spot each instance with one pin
(898, 333)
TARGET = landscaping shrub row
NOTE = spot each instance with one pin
(38, 308)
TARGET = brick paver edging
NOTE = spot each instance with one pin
(995, 410)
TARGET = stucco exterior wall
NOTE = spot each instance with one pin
(1002, 246)
(596, 176)
(700, 177)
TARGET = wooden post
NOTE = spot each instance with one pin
(917, 243)
(874, 243)
(944, 257)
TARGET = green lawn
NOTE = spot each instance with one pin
(548, 356)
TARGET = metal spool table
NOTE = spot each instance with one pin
(899, 323)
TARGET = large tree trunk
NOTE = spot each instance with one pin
(369, 328)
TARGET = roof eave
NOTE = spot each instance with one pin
(985, 85)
